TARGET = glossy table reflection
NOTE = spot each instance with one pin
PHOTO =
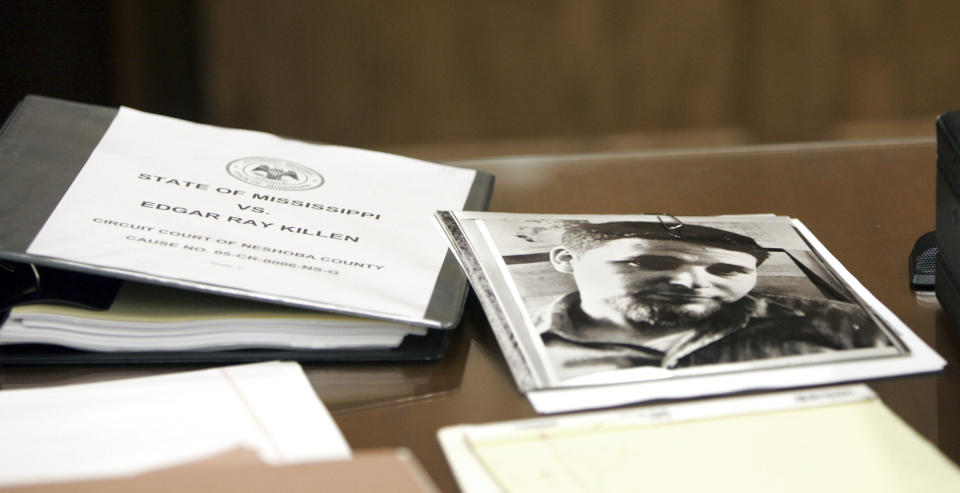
(867, 201)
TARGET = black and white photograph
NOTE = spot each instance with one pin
(597, 300)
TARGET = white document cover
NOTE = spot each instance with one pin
(251, 214)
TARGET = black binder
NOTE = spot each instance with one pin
(44, 143)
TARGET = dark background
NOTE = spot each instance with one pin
(137, 53)
(448, 78)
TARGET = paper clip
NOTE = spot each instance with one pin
(672, 229)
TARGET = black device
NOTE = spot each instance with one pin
(947, 284)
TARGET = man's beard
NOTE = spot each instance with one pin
(660, 313)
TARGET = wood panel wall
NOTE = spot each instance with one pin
(381, 73)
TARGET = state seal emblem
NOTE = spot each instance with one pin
(274, 173)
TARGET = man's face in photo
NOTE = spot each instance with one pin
(664, 282)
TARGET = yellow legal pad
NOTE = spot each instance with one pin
(789, 442)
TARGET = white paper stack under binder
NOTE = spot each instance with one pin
(343, 237)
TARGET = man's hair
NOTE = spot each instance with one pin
(581, 236)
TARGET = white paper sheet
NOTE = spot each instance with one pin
(130, 426)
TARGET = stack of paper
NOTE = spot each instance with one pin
(602, 310)
(145, 317)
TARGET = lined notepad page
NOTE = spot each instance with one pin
(852, 446)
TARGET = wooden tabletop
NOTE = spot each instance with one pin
(867, 201)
